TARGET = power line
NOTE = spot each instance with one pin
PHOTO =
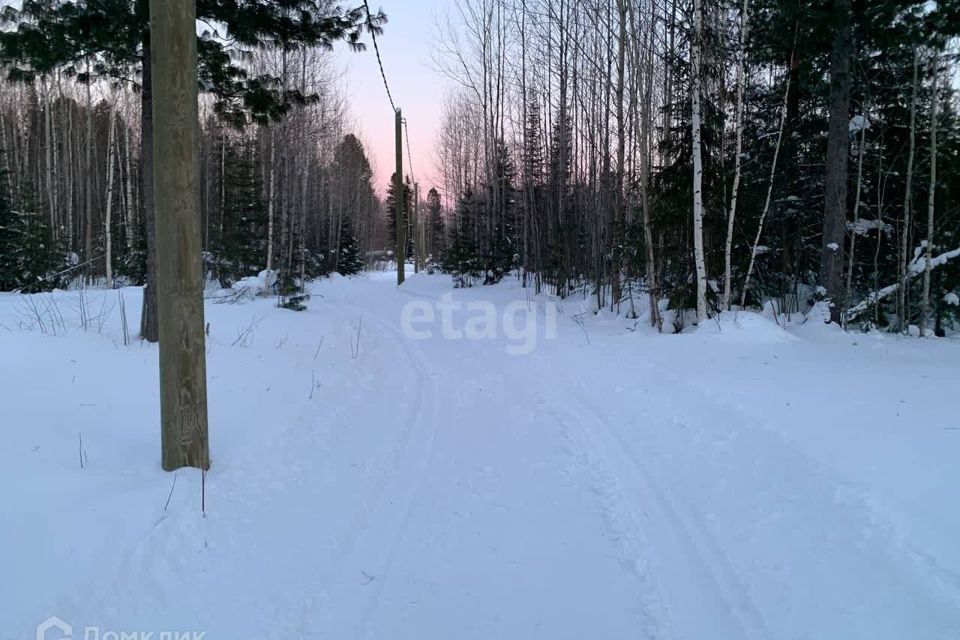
(406, 132)
(376, 48)
(386, 84)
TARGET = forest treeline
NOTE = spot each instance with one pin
(285, 183)
(667, 158)
(703, 154)
(295, 196)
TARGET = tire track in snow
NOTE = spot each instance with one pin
(689, 569)
(360, 574)
(876, 515)
(764, 495)
(692, 554)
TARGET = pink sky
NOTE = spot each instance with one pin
(417, 89)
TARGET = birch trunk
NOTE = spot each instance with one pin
(129, 212)
(927, 309)
(88, 168)
(618, 206)
(48, 149)
(271, 199)
(69, 191)
(111, 158)
(698, 166)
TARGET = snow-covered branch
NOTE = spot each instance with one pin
(915, 268)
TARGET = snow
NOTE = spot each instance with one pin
(858, 123)
(251, 286)
(751, 478)
(745, 326)
(864, 226)
(951, 298)
(919, 263)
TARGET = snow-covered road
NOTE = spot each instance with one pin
(370, 481)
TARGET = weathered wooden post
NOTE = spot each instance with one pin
(398, 204)
(176, 175)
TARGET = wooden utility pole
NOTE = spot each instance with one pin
(183, 375)
(401, 253)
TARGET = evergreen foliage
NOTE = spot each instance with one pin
(30, 260)
(436, 231)
(51, 34)
(391, 207)
(349, 260)
(241, 247)
(462, 258)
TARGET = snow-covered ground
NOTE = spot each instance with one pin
(573, 476)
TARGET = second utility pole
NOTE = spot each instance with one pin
(398, 199)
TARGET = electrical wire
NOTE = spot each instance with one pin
(376, 48)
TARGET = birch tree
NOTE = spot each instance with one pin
(108, 215)
(696, 72)
(927, 310)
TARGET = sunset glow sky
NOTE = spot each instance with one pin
(406, 47)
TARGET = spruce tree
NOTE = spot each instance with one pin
(352, 198)
(40, 258)
(30, 260)
(130, 262)
(500, 250)
(391, 207)
(436, 240)
(349, 260)
(462, 259)
(9, 239)
(240, 250)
